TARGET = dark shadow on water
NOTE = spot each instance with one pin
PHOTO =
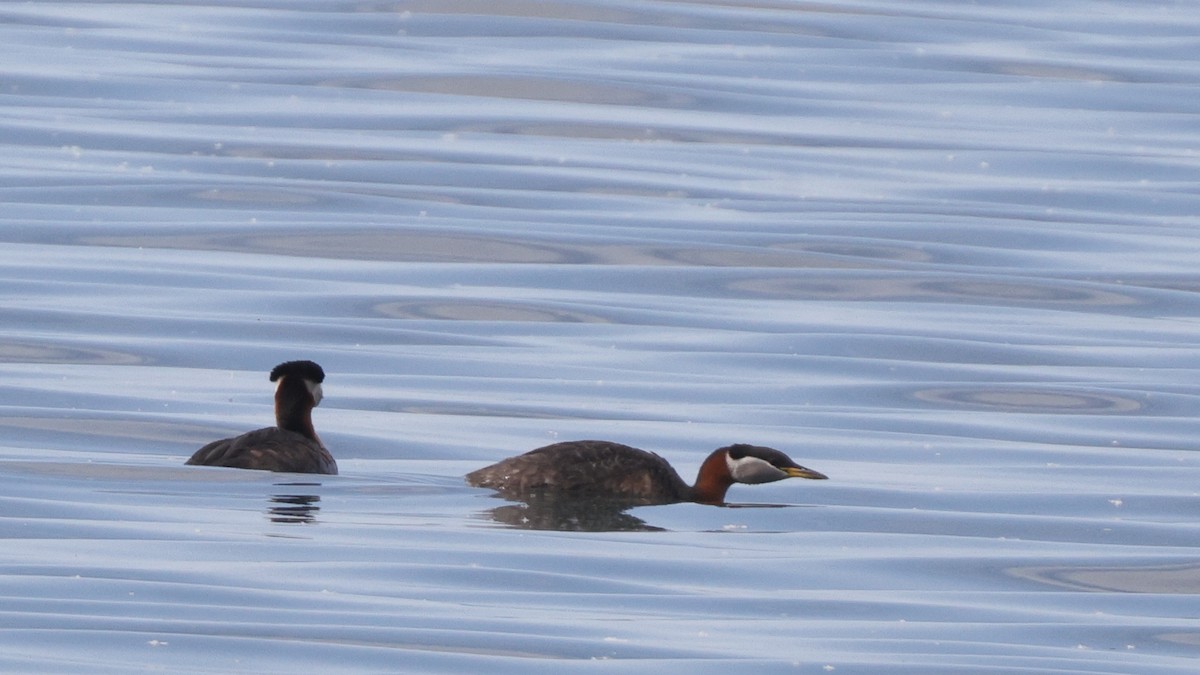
(294, 508)
(570, 515)
(584, 515)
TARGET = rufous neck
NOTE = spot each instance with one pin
(713, 480)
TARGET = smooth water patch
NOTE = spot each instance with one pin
(146, 564)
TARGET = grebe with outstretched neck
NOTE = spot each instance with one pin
(606, 470)
(292, 444)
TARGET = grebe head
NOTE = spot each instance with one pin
(756, 464)
(743, 463)
(306, 371)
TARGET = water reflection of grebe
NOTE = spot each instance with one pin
(292, 444)
(549, 512)
(589, 469)
(577, 515)
(293, 508)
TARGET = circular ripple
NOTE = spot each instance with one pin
(1175, 579)
(1050, 292)
(482, 311)
(1029, 400)
(28, 352)
(856, 286)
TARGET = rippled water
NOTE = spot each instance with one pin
(944, 253)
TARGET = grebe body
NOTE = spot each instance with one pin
(603, 469)
(291, 445)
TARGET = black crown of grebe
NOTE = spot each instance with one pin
(602, 469)
(292, 444)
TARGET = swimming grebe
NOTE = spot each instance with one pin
(292, 444)
(602, 469)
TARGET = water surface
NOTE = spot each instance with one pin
(944, 254)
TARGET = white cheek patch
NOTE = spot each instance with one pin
(314, 389)
(753, 470)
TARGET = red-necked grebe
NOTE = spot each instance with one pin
(292, 444)
(602, 469)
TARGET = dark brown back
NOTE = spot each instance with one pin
(585, 469)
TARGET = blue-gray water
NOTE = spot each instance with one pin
(945, 253)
